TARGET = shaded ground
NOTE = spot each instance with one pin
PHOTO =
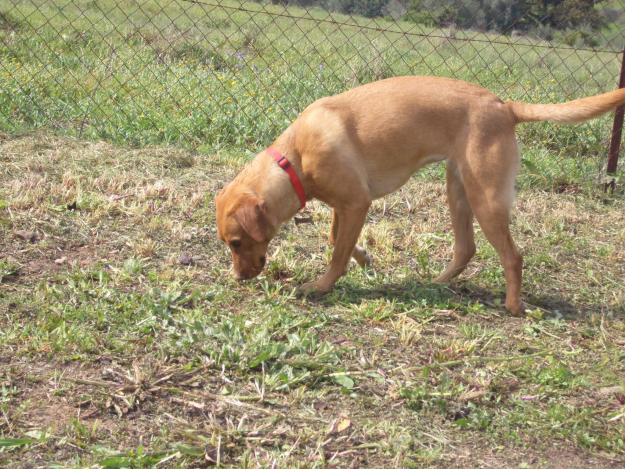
(125, 343)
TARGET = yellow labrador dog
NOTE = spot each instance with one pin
(349, 149)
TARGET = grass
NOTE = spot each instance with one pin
(125, 342)
(214, 78)
(229, 78)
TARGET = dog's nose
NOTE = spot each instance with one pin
(240, 276)
(246, 275)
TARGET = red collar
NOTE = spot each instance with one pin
(288, 168)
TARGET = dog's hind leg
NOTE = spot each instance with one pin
(488, 175)
(462, 223)
(359, 253)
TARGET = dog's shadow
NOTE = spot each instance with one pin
(463, 294)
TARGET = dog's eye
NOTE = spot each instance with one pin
(235, 243)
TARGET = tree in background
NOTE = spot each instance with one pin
(570, 21)
(542, 17)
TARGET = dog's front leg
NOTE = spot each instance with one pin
(351, 221)
(359, 254)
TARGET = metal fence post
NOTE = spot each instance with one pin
(617, 129)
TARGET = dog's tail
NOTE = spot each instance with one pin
(570, 112)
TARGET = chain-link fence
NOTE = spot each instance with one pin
(225, 73)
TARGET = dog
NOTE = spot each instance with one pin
(349, 149)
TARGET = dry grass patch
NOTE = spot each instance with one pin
(127, 343)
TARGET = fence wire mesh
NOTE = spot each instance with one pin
(217, 73)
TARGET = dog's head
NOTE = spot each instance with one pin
(246, 226)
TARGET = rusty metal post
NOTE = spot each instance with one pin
(617, 129)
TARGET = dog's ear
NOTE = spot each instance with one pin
(253, 217)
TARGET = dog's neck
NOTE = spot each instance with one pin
(279, 195)
(278, 191)
(273, 185)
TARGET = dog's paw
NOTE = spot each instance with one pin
(312, 290)
(516, 309)
(448, 274)
(363, 258)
